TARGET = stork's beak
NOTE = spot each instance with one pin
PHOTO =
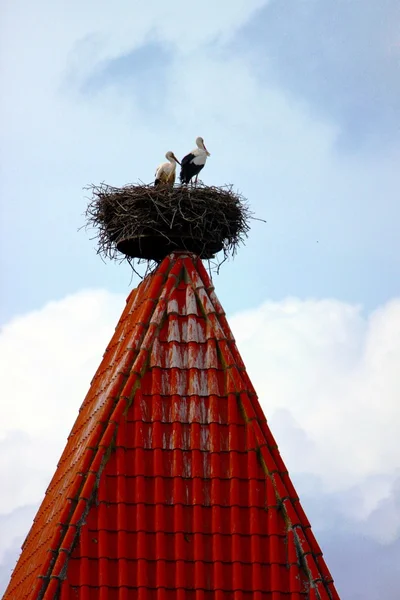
(207, 152)
(175, 159)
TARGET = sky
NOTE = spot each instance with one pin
(298, 102)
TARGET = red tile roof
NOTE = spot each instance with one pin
(171, 485)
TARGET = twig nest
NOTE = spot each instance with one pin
(147, 222)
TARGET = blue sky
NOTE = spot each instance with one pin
(298, 102)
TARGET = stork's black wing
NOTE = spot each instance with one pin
(186, 168)
(187, 159)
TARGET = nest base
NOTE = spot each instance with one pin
(153, 247)
(148, 222)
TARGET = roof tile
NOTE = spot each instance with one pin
(171, 485)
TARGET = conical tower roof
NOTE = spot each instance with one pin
(171, 485)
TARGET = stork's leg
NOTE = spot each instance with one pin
(195, 181)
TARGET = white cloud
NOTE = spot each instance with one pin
(327, 378)
(14, 527)
(328, 365)
(328, 381)
(47, 359)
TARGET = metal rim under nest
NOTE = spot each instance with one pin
(156, 247)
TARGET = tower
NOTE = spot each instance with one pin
(171, 485)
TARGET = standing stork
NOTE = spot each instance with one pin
(193, 163)
(165, 174)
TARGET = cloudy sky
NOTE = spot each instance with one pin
(299, 104)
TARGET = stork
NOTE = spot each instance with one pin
(165, 174)
(193, 163)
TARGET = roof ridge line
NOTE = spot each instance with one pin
(236, 376)
(139, 368)
(288, 505)
(112, 390)
(87, 397)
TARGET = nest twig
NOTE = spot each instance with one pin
(147, 222)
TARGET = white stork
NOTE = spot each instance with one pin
(165, 174)
(193, 163)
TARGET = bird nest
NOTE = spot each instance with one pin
(149, 222)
